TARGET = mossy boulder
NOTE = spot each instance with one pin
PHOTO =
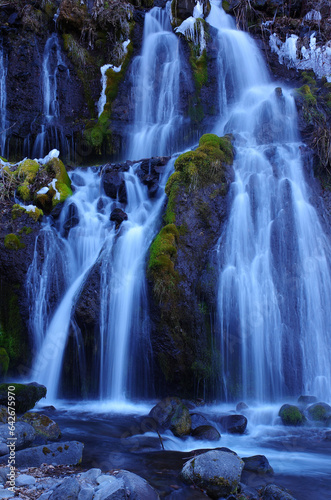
(319, 412)
(291, 415)
(57, 170)
(32, 211)
(171, 413)
(217, 472)
(43, 425)
(26, 395)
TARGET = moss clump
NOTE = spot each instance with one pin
(28, 169)
(4, 362)
(63, 183)
(319, 412)
(306, 93)
(46, 450)
(291, 415)
(161, 268)
(13, 242)
(205, 165)
(26, 395)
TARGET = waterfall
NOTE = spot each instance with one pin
(51, 135)
(274, 258)
(155, 79)
(3, 99)
(71, 259)
(61, 265)
(124, 309)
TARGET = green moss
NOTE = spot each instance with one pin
(306, 93)
(173, 188)
(24, 191)
(291, 415)
(25, 230)
(46, 450)
(63, 183)
(28, 169)
(226, 5)
(161, 268)
(66, 447)
(35, 214)
(12, 335)
(99, 135)
(4, 362)
(13, 242)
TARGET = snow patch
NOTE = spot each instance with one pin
(193, 32)
(103, 99)
(29, 208)
(53, 184)
(316, 58)
(55, 153)
(43, 190)
(313, 15)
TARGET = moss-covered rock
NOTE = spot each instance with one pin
(26, 395)
(291, 415)
(181, 276)
(171, 413)
(56, 168)
(13, 242)
(319, 412)
(43, 425)
(33, 212)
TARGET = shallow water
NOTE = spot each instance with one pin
(115, 437)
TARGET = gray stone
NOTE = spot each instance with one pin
(46, 495)
(4, 471)
(105, 477)
(206, 432)
(273, 492)
(24, 433)
(6, 494)
(67, 453)
(138, 487)
(68, 489)
(3, 449)
(91, 475)
(86, 493)
(197, 420)
(114, 490)
(25, 480)
(216, 471)
(258, 464)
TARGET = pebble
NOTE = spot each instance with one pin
(25, 480)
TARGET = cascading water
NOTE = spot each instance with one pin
(50, 136)
(124, 332)
(155, 78)
(3, 100)
(274, 259)
(78, 254)
(124, 308)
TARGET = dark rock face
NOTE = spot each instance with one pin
(84, 341)
(114, 186)
(118, 216)
(72, 218)
(149, 173)
(185, 363)
(26, 395)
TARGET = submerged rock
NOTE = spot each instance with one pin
(233, 424)
(258, 464)
(291, 415)
(216, 471)
(319, 412)
(118, 216)
(171, 413)
(207, 432)
(273, 492)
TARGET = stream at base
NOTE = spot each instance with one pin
(115, 437)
